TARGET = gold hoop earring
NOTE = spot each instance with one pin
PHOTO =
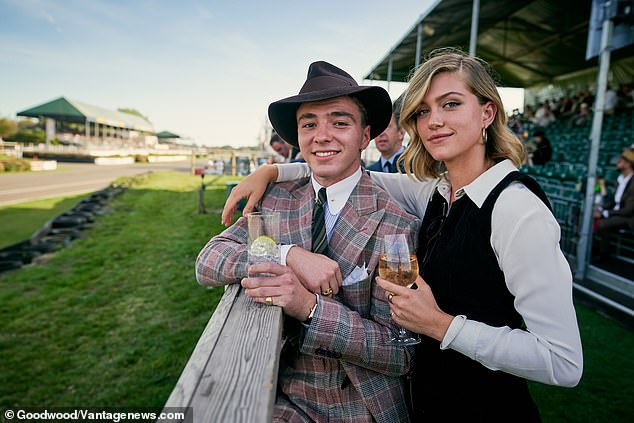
(484, 135)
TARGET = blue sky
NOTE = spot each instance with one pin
(204, 69)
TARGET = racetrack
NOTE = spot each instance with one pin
(73, 178)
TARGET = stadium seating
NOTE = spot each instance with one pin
(564, 177)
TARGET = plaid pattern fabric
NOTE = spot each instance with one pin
(346, 343)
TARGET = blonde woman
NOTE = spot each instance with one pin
(494, 298)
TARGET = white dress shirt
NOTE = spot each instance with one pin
(337, 196)
(391, 160)
(621, 183)
(525, 239)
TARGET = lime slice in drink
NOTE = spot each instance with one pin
(264, 245)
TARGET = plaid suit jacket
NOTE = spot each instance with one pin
(355, 326)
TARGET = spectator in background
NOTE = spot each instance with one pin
(626, 97)
(544, 116)
(616, 212)
(281, 147)
(583, 117)
(543, 150)
(611, 99)
(390, 144)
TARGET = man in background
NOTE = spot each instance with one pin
(281, 147)
(290, 153)
(390, 143)
(618, 211)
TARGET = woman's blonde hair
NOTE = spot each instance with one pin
(501, 142)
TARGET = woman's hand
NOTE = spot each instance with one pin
(252, 188)
(416, 309)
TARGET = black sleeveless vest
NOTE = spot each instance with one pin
(457, 261)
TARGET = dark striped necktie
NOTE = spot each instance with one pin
(389, 167)
(320, 243)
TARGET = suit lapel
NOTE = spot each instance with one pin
(357, 223)
(306, 197)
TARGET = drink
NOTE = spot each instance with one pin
(402, 273)
(263, 231)
(398, 265)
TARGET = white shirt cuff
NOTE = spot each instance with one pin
(284, 249)
(454, 328)
(462, 336)
(605, 213)
(313, 313)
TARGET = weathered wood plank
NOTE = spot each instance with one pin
(187, 383)
(232, 373)
(239, 382)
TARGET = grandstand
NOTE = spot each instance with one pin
(77, 123)
(563, 178)
(539, 45)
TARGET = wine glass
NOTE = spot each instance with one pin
(262, 247)
(399, 265)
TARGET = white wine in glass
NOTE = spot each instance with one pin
(399, 265)
(403, 274)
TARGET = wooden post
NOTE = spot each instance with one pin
(201, 195)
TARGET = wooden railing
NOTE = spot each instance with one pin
(232, 374)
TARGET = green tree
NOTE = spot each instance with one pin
(8, 127)
(28, 136)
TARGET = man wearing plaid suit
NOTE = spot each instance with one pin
(340, 367)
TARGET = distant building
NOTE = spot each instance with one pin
(80, 123)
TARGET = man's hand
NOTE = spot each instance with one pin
(283, 287)
(316, 272)
(252, 188)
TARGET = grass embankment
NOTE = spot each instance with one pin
(112, 320)
(20, 221)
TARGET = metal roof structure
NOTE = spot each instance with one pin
(527, 42)
(68, 110)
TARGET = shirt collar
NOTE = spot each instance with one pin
(339, 192)
(391, 159)
(479, 189)
(624, 179)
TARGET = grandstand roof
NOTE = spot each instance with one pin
(527, 42)
(65, 109)
(167, 134)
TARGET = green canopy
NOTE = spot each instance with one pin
(67, 110)
(167, 134)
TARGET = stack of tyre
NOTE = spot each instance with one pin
(59, 232)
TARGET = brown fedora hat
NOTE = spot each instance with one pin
(326, 81)
(628, 154)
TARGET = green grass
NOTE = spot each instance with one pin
(607, 386)
(112, 320)
(20, 221)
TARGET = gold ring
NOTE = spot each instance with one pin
(327, 292)
(389, 297)
(268, 301)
